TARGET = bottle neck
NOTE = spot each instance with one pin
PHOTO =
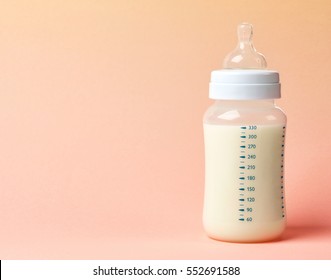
(261, 103)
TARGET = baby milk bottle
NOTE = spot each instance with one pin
(244, 135)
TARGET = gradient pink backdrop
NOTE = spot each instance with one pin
(101, 104)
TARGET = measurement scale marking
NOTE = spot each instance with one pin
(242, 168)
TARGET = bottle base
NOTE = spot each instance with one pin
(252, 233)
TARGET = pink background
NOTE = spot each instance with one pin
(101, 143)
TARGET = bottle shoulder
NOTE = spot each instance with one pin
(238, 113)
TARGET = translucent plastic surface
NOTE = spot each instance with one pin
(244, 163)
(228, 112)
(245, 56)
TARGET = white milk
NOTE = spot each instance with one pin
(244, 191)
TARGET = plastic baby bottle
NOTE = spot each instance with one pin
(244, 135)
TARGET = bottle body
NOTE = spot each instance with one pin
(244, 163)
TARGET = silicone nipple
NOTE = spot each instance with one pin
(245, 56)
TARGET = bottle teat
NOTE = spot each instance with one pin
(245, 56)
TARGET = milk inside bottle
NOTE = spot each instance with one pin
(244, 137)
